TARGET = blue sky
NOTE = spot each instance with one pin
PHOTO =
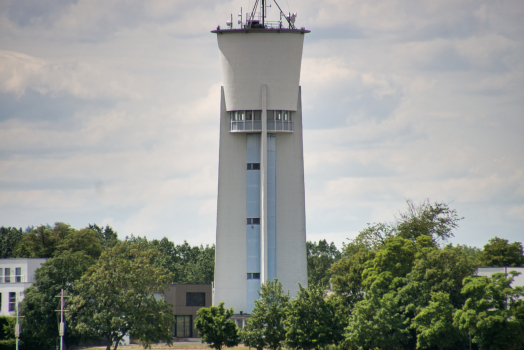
(109, 114)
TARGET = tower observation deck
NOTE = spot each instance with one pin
(261, 223)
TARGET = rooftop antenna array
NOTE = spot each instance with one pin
(261, 22)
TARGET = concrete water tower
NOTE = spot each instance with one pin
(261, 220)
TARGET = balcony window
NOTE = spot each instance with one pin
(7, 275)
(12, 301)
(18, 274)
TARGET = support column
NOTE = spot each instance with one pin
(263, 189)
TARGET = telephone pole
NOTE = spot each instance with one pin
(61, 328)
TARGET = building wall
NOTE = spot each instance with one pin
(28, 266)
(250, 60)
(175, 294)
(518, 281)
(230, 257)
(291, 208)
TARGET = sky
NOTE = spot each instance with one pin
(109, 114)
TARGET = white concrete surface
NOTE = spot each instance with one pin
(250, 60)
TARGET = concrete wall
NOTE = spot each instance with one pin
(518, 281)
(230, 257)
(251, 59)
(291, 207)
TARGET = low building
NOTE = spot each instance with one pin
(187, 299)
(16, 275)
(518, 281)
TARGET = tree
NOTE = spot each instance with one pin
(84, 240)
(265, 327)
(10, 237)
(493, 312)
(115, 297)
(40, 302)
(498, 252)
(435, 220)
(313, 322)
(434, 324)
(215, 327)
(320, 257)
(107, 236)
(7, 332)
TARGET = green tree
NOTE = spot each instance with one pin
(40, 302)
(493, 312)
(216, 328)
(499, 252)
(435, 220)
(434, 324)
(115, 297)
(320, 257)
(7, 332)
(107, 236)
(84, 240)
(313, 322)
(265, 327)
(10, 237)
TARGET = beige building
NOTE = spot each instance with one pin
(187, 299)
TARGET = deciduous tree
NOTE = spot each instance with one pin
(216, 328)
(320, 257)
(313, 322)
(115, 297)
(499, 252)
(265, 327)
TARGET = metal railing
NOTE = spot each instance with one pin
(13, 279)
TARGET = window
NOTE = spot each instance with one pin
(253, 166)
(258, 115)
(0, 301)
(195, 299)
(253, 275)
(18, 274)
(7, 275)
(183, 326)
(249, 115)
(253, 221)
(12, 301)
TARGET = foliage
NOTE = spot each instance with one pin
(320, 257)
(346, 278)
(45, 241)
(10, 237)
(398, 283)
(265, 327)
(107, 236)
(7, 327)
(313, 322)
(189, 264)
(115, 297)
(498, 252)
(493, 313)
(84, 240)
(40, 302)
(434, 324)
(435, 220)
(216, 328)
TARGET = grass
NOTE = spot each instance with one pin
(184, 346)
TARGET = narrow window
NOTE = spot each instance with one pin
(18, 274)
(270, 115)
(278, 115)
(12, 301)
(7, 275)
(286, 115)
(249, 115)
(258, 115)
(253, 275)
(195, 299)
(253, 166)
(0, 301)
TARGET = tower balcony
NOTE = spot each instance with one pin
(251, 121)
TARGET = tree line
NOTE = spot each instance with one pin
(111, 283)
(395, 286)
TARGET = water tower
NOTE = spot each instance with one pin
(261, 220)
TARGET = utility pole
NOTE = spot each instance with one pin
(17, 325)
(61, 328)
